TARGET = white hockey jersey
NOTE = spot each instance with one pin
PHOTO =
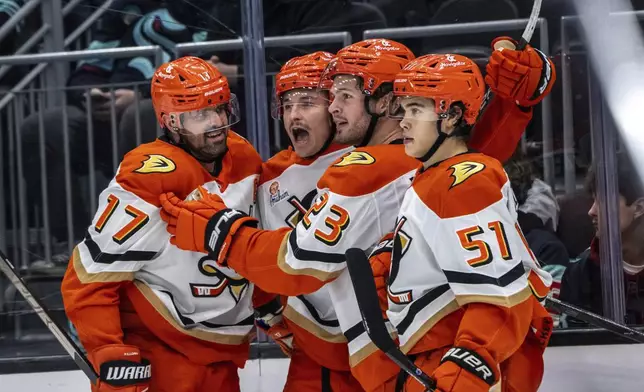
(195, 306)
(462, 274)
(288, 185)
(457, 241)
(358, 200)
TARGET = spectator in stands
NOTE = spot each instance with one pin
(134, 23)
(581, 284)
(538, 211)
(281, 17)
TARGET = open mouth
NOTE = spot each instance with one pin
(300, 135)
(216, 136)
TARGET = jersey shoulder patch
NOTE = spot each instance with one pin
(462, 171)
(461, 185)
(365, 170)
(355, 158)
(156, 163)
(158, 167)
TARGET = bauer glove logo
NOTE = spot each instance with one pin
(472, 362)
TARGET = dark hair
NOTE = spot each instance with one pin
(462, 129)
(521, 172)
(629, 183)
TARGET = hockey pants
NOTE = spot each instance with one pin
(306, 375)
(172, 372)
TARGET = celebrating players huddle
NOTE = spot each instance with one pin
(390, 154)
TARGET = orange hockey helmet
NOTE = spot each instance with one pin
(303, 72)
(444, 78)
(375, 61)
(191, 85)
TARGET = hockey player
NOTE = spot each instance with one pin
(463, 286)
(358, 199)
(286, 190)
(150, 315)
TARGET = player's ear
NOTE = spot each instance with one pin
(453, 118)
(168, 121)
(383, 102)
(171, 123)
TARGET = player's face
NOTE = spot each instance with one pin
(418, 123)
(348, 110)
(205, 131)
(306, 119)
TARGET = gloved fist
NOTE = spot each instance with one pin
(269, 318)
(380, 260)
(524, 76)
(187, 220)
(465, 370)
(121, 369)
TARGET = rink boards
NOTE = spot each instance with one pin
(568, 369)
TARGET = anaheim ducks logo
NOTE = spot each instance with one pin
(464, 170)
(356, 158)
(156, 164)
(235, 285)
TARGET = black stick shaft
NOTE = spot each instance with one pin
(60, 335)
(596, 320)
(367, 297)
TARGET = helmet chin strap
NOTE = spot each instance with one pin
(442, 136)
(372, 124)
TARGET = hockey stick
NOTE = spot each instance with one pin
(62, 337)
(595, 319)
(527, 32)
(366, 294)
(506, 44)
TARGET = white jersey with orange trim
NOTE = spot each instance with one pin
(358, 199)
(462, 274)
(288, 185)
(183, 297)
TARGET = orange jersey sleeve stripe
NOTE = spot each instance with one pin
(500, 128)
(259, 256)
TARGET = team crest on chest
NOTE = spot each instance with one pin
(236, 286)
(276, 193)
